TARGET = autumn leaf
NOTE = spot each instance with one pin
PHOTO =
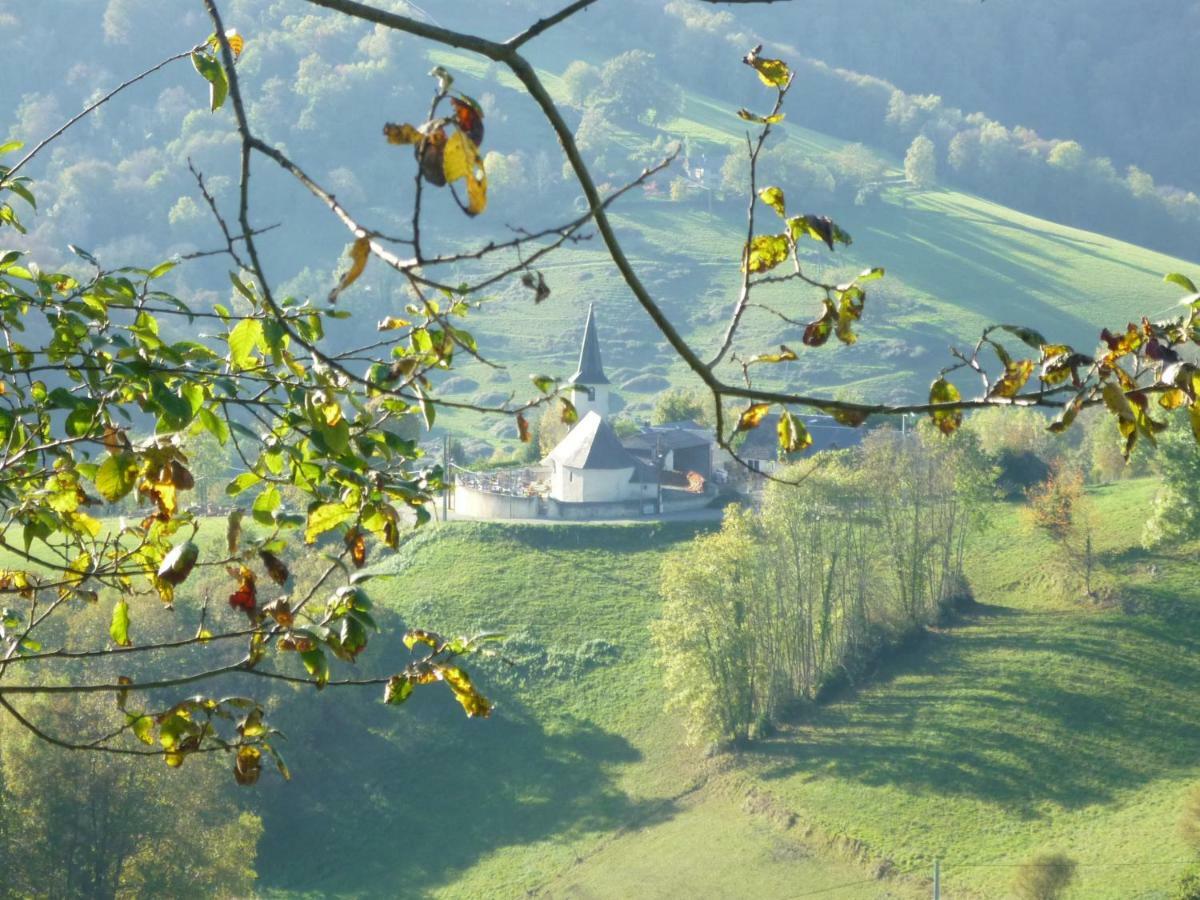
(765, 252)
(817, 332)
(523, 428)
(276, 569)
(772, 119)
(401, 134)
(772, 72)
(773, 197)
(356, 543)
(460, 160)
(432, 149)
(752, 416)
(785, 354)
(468, 116)
(359, 251)
(245, 597)
(942, 391)
(473, 702)
(1016, 373)
(793, 436)
(247, 765)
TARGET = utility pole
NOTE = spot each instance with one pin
(658, 468)
(937, 879)
(446, 476)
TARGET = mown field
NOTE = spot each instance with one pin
(1033, 722)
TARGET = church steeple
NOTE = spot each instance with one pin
(591, 369)
(590, 385)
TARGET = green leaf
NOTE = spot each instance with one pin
(325, 516)
(10, 146)
(213, 72)
(239, 484)
(142, 727)
(265, 505)
(116, 476)
(399, 688)
(1182, 280)
(245, 338)
(870, 274)
(119, 629)
(242, 288)
(214, 425)
(317, 665)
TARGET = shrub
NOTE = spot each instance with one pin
(1045, 876)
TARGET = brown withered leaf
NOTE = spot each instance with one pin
(401, 134)
(276, 568)
(356, 543)
(468, 117)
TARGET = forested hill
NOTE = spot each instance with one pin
(118, 184)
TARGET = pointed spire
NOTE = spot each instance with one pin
(591, 369)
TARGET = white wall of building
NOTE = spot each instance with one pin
(584, 403)
(596, 485)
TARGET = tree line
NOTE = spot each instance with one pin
(784, 602)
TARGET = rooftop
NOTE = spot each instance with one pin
(592, 444)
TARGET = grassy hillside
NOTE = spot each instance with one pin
(1033, 723)
(955, 263)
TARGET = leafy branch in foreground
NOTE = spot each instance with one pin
(101, 411)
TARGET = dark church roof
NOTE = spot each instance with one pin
(668, 437)
(592, 444)
(591, 370)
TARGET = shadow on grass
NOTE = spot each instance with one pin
(1026, 711)
(396, 802)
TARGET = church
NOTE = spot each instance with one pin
(594, 474)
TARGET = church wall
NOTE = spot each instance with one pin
(591, 397)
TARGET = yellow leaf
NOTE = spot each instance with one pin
(461, 159)
(773, 197)
(391, 323)
(765, 252)
(358, 261)
(772, 72)
(236, 42)
(942, 391)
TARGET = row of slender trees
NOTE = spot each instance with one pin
(812, 588)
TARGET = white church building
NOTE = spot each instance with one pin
(591, 473)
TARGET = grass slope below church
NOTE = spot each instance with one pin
(1034, 723)
(955, 263)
